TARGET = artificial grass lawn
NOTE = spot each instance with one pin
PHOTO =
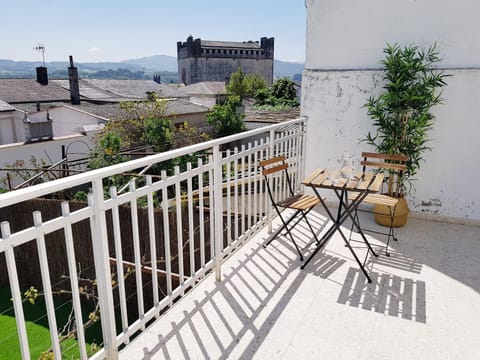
(37, 328)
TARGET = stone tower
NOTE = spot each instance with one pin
(205, 60)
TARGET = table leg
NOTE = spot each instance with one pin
(337, 222)
(326, 236)
(349, 210)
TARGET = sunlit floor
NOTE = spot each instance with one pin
(423, 303)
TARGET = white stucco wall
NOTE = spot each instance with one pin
(48, 152)
(66, 120)
(351, 35)
(7, 127)
(11, 127)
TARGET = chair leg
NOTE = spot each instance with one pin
(391, 232)
(304, 215)
(294, 243)
(356, 220)
(285, 226)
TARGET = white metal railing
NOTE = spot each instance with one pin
(214, 204)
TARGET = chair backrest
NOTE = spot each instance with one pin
(273, 166)
(395, 165)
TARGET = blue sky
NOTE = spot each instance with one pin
(107, 30)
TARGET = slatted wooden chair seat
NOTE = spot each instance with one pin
(377, 199)
(393, 166)
(301, 203)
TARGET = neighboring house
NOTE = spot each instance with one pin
(121, 90)
(207, 93)
(23, 125)
(343, 69)
(9, 127)
(103, 97)
(43, 121)
(205, 60)
(65, 119)
(19, 91)
(177, 111)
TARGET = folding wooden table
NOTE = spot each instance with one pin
(361, 183)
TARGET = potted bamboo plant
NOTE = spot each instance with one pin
(402, 114)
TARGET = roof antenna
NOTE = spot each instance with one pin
(41, 48)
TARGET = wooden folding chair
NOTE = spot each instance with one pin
(393, 166)
(302, 204)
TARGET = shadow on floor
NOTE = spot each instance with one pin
(387, 294)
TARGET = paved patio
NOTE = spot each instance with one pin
(424, 302)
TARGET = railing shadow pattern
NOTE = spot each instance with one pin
(387, 294)
(256, 291)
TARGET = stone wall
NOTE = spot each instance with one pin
(197, 63)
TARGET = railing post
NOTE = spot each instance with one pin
(218, 211)
(102, 269)
(16, 294)
(303, 149)
(270, 155)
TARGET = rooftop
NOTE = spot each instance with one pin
(29, 90)
(113, 111)
(424, 302)
(5, 106)
(117, 90)
(205, 88)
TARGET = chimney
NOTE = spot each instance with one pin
(73, 79)
(42, 76)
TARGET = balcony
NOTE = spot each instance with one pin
(176, 266)
(423, 303)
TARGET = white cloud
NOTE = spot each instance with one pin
(94, 49)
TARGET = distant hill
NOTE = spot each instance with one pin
(287, 69)
(155, 63)
(144, 68)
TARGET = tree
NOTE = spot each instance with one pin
(402, 114)
(107, 150)
(225, 119)
(146, 124)
(253, 83)
(186, 135)
(244, 86)
(284, 89)
(281, 94)
(236, 85)
(158, 133)
(152, 111)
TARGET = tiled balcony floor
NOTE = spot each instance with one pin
(424, 302)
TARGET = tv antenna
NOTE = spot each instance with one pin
(41, 48)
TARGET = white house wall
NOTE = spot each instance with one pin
(11, 127)
(67, 121)
(7, 127)
(344, 46)
(48, 152)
